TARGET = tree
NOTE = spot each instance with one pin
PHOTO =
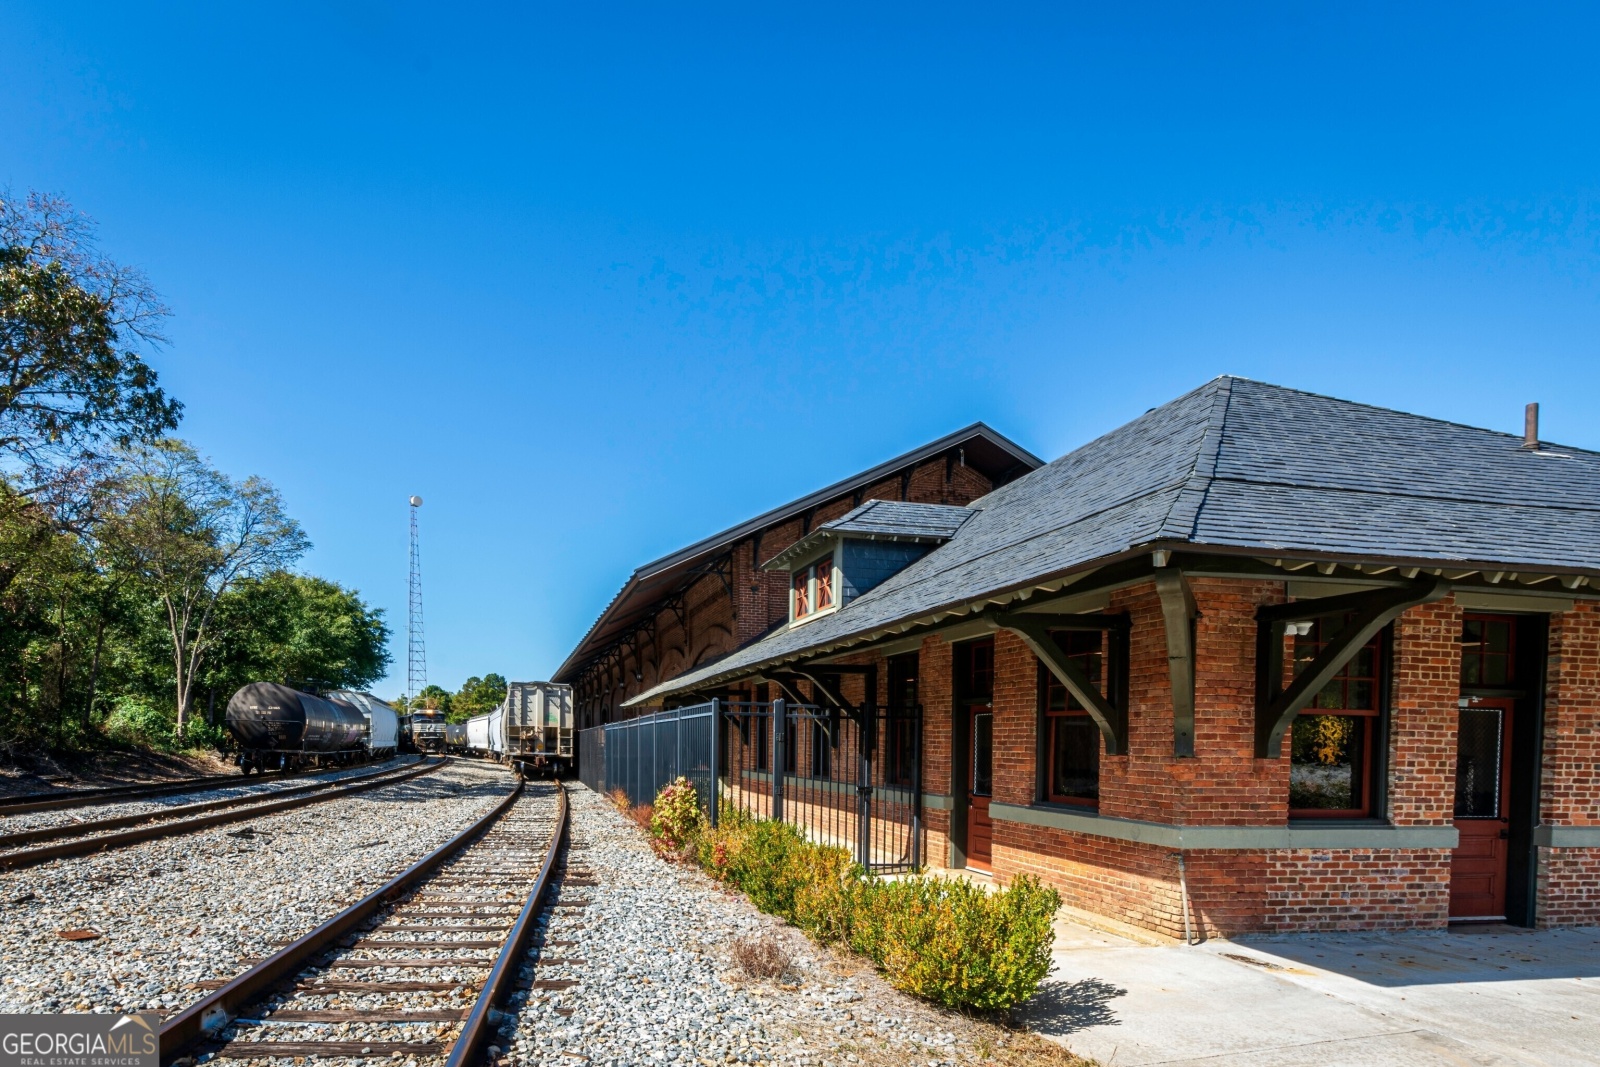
(434, 697)
(73, 330)
(189, 533)
(298, 630)
(477, 696)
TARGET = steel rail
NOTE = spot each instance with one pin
(84, 846)
(82, 798)
(479, 1023)
(79, 829)
(211, 1013)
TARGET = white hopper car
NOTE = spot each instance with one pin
(531, 728)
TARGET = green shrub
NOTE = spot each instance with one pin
(676, 818)
(957, 944)
(946, 940)
(828, 885)
(138, 722)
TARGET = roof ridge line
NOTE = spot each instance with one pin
(1196, 484)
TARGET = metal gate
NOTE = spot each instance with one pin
(847, 778)
(852, 779)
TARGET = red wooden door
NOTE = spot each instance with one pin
(1482, 810)
(980, 829)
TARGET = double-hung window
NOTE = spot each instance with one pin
(1071, 738)
(1333, 743)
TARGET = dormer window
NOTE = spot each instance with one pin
(813, 589)
(864, 548)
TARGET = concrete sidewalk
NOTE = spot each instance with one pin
(1491, 995)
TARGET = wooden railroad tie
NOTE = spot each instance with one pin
(257, 1050)
(450, 1015)
(442, 961)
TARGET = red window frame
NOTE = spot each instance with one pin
(1090, 650)
(1363, 674)
(1479, 651)
(802, 593)
(824, 571)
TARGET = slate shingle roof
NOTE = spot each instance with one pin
(887, 519)
(1242, 465)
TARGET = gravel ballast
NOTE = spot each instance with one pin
(177, 911)
(243, 787)
(656, 984)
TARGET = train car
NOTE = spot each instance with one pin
(480, 733)
(427, 730)
(455, 736)
(383, 725)
(539, 732)
(279, 728)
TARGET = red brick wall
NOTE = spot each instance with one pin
(1233, 891)
(1569, 887)
(1568, 891)
(1424, 716)
(1356, 889)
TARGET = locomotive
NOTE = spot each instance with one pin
(427, 730)
(279, 728)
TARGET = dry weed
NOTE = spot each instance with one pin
(760, 956)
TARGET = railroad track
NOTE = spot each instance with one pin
(57, 799)
(415, 969)
(84, 838)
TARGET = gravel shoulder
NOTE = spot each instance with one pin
(656, 984)
(171, 913)
(39, 773)
(262, 787)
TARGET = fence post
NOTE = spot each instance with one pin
(716, 782)
(916, 791)
(866, 742)
(780, 727)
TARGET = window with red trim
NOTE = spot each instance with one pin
(1071, 738)
(813, 588)
(1333, 741)
(824, 572)
(1488, 651)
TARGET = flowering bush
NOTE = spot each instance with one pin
(676, 820)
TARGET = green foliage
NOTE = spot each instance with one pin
(477, 695)
(956, 943)
(676, 819)
(299, 630)
(949, 941)
(72, 324)
(137, 721)
(436, 697)
(133, 576)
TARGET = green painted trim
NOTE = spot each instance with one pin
(1567, 836)
(1170, 835)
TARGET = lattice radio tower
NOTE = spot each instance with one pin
(416, 650)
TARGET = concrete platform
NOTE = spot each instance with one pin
(1486, 995)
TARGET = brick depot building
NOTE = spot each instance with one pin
(1293, 662)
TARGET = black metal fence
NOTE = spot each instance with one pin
(851, 778)
(639, 756)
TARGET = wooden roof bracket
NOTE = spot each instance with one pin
(786, 682)
(1035, 632)
(1276, 707)
(1178, 613)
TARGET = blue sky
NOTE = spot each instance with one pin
(597, 282)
